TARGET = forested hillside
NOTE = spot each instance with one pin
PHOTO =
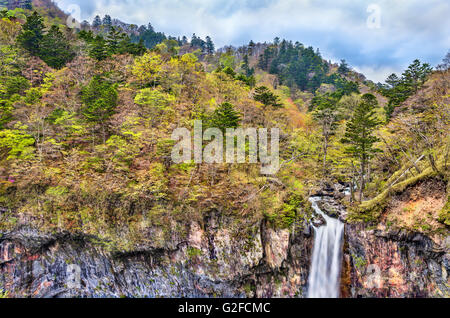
(86, 117)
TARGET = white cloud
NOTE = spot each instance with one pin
(376, 74)
(409, 28)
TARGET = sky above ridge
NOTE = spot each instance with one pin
(377, 38)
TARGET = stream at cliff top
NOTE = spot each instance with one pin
(324, 274)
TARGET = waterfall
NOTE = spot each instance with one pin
(324, 275)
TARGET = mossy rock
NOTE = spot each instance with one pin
(444, 216)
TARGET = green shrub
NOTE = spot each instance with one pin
(18, 144)
(153, 98)
(193, 252)
(3, 294)
(444, 215)
(100, 98)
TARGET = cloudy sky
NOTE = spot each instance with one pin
(377, 37)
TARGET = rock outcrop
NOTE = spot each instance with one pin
(214, 259)
(394, 264)
(210, 263)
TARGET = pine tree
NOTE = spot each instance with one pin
(107, 22)
(114, 39)
(149, 36)
(327, 114)
(276, 41)
(198, 42)
(393, 80)
(359, 135)
(100, 99)
(98, 48)
(246, 67)
(225, 116)
(416, 75)
(266, 97)
(97, 22)
(194, 40)
(27, 4)
(87, 36)
(209, 46)
(137, 49)
(399, 89)
(251, 47)
(343, 68)
(32, 33)
(55, 49)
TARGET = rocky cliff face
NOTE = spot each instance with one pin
(213, 260)
(394, 264)
(389, 261)
(210, 263)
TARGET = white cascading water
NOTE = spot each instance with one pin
(324, 275)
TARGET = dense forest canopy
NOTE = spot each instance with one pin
(86, 117)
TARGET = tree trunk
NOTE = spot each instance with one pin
(104, 134)
(433, 163)
(446, 157)
(352, 190)
(352, 185)
(361, 182)
(325, 154)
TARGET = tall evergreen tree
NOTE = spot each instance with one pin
(107, 22)
(100, 99)
(359, 136)
(97, 22)
(87, 36)
(55, 49)
(32, 33)
(126, 46)
(194, 39)
(295, 65)
(27, 4)
(225, 116)
(398, 89)
(246, 67)
(393, 80)
(114, 39)
(266, 97)
(343, 68)
(98, 49)
(416, 75)
(149, 36)
(327, 114)
(198, 42)
(209, 46)
(251, 47)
